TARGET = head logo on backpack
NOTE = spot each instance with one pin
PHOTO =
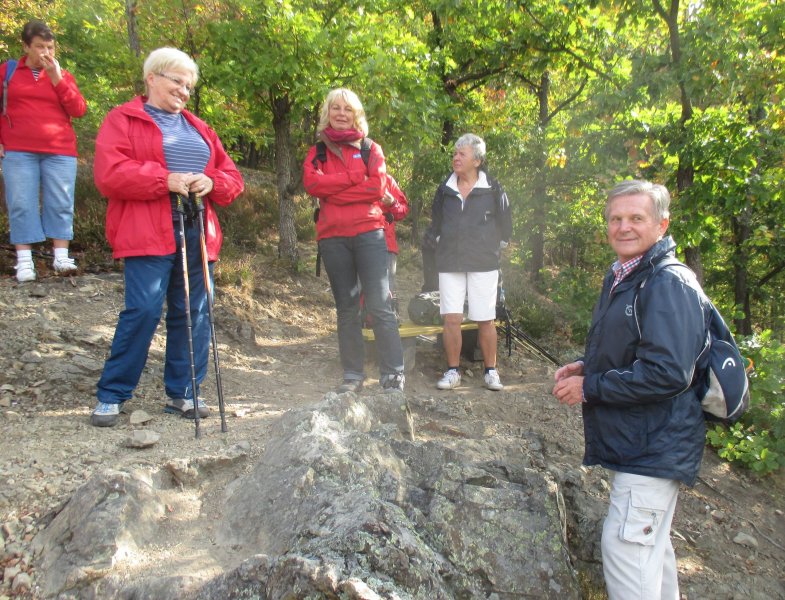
(720, 379)
(724, 388)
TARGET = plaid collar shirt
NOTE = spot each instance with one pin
(621, 270)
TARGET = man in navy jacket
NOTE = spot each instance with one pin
(642, 418)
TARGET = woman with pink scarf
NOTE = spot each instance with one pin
(350, 234)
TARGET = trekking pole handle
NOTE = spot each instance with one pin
(196, 202)
(179, 203)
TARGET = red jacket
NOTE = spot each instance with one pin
(349, 193)
(39, 114)
(130, 170)
(398, 209)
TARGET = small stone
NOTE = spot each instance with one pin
(143, 438)
(5, 402)
(10, 572)
(138, 417)
(31, 357)
(241, 412)
(744, 539)
(22, 582)
(718, 516)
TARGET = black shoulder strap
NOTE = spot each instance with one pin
(365, 150)
(321, 154)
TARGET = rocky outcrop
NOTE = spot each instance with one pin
(345, 502)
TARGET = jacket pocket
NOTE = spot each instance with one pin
(643, 520)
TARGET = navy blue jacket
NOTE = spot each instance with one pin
(470, 232)
(641, 414)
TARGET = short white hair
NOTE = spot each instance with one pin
(165, 59)
(476, 143)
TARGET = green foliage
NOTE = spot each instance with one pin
(572, 292)
(758, 440)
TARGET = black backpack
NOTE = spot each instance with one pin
(720, 379)
(321, 158)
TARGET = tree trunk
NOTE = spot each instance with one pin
(540, 187)
(287, 242)
(741, 292)
(130, 19)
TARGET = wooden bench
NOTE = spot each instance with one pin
(409, 333)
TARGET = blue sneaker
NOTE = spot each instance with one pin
(105, 414)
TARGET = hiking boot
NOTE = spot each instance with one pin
(105, 414)
(64, 265)
(25, 271)
(393, 382)
(350, 385)
(185, 408)
(492, 381)
(450, 380)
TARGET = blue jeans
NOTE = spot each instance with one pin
(362, 257)
(148, 280)
(26, 174)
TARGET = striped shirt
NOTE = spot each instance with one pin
(185, 150)
(621, 270)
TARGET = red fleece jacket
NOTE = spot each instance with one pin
(130, 170)
(349, 193)
(39, 114)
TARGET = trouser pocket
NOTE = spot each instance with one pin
(643, 520)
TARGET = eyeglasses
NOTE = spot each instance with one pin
(178, 82)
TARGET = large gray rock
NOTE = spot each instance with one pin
(344, 503)
(331, 504)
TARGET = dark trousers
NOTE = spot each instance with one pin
(362, 259)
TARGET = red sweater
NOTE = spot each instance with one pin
(130, 170)
(349, 194)
(39, 113)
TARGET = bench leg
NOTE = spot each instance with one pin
(409, 353)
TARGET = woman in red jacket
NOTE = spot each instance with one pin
(350, 233)
(38, 148)
(149, 151)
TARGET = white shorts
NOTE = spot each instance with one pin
(480, 288)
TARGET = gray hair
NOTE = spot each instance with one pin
(164, 59)
(660, 198)
(476, 143)
(348, 96)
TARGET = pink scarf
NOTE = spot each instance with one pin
(345, 136)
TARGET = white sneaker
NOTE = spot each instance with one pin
(492, 381)
(450, 380)
(25, 271)
(64, 265)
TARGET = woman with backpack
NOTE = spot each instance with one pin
(350, 234)
(38, 150)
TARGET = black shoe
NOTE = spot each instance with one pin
(350, 385)
(393, 383)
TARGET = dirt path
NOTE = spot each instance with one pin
(277, 352)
